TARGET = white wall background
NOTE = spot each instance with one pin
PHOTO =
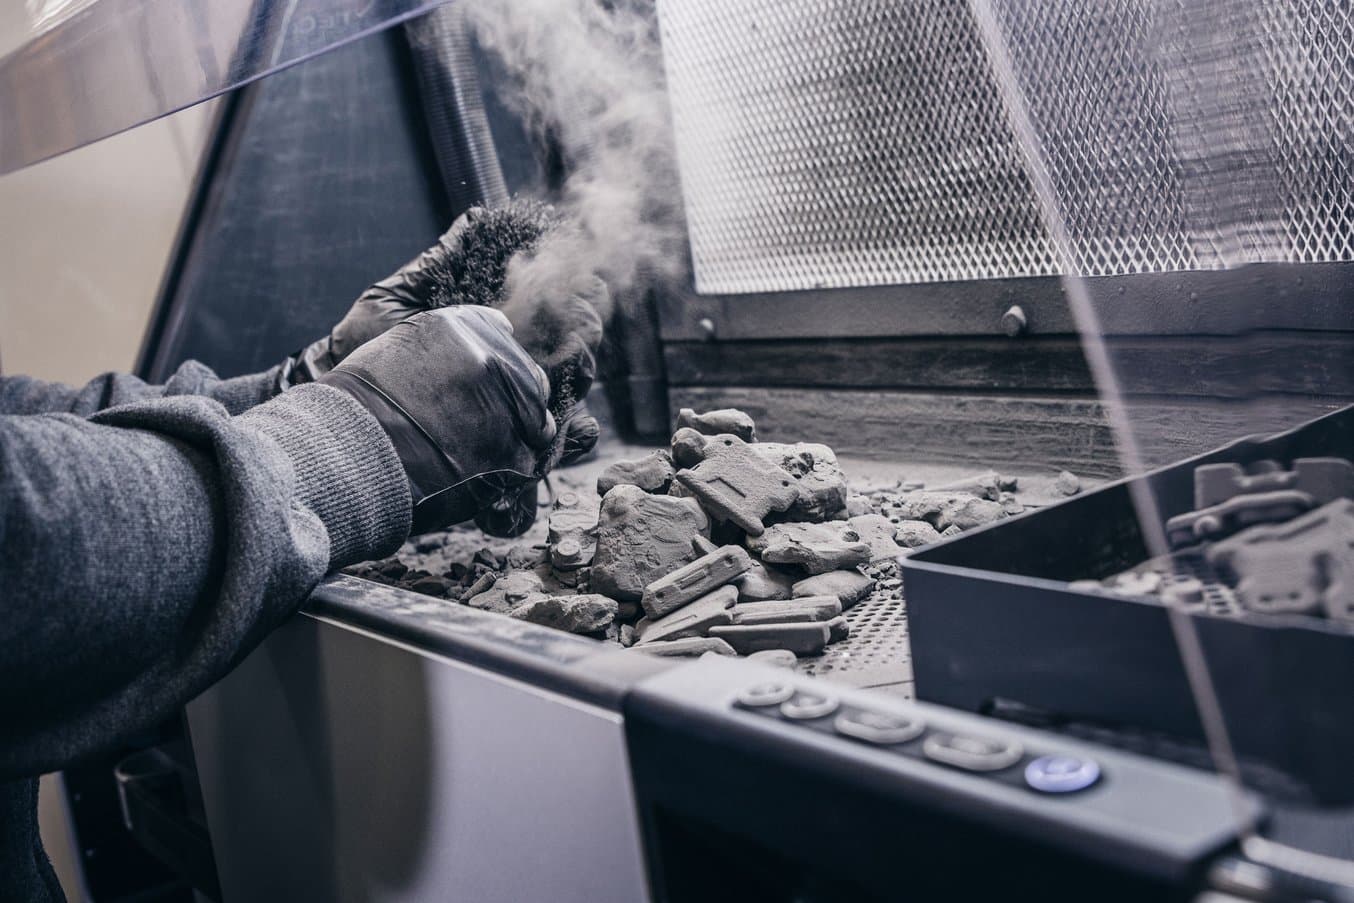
(83, 241)
(84, 237)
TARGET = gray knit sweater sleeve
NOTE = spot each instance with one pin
(26, 395)
(148, 547)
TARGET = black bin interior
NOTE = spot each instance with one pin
(993, 622)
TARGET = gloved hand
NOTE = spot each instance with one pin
(469, 265)
(465, 408)
(561, 334)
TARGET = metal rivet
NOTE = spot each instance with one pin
(1014, 322)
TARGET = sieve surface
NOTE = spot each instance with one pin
(878, 652)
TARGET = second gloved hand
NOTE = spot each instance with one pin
(464, 406)
(466, 265)
(471, 265)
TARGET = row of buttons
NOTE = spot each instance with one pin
(1046, 774)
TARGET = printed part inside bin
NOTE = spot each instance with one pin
(1064, 610)
(995, 620)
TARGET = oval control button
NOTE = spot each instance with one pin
(877, 727)
(1061, 774)
(765, 694)
(972, 753)
(806, 706)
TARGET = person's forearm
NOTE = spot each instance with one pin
(25, 395)
(151, 546)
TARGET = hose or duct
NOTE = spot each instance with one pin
(449, 89)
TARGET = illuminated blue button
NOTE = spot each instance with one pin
(1061, 774)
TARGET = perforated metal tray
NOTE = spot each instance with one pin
(878, 653)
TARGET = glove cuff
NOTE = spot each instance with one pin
(347, 472)
(440, 495)
(307, 365)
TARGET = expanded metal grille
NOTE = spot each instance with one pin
(834, 143)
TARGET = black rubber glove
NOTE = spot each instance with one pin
(469, 265)
(465, 408)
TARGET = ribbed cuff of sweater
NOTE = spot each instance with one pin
(240, 393)
(347, 471)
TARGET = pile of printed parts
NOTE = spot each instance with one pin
(719, 544)
(1261, 539)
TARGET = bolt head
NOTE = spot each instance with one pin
(1014, 321)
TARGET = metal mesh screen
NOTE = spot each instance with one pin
(834, 143)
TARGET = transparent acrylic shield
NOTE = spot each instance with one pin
(1210, 144)
(81, 70)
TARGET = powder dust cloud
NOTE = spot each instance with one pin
(588, 77)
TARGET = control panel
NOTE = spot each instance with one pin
(770, 751)
(1043, 769)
